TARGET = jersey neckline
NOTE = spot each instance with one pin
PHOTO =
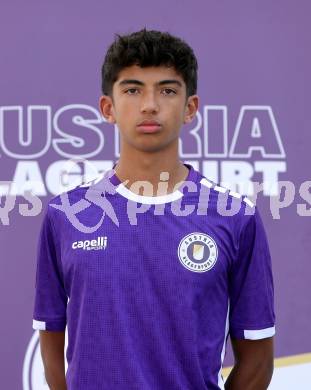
(122, 190)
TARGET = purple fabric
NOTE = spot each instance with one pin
(148, 310)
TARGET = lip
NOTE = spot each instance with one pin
(149, 129)
(149, 126)
(149, 122)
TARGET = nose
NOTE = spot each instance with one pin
(149, 103)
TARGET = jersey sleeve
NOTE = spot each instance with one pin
(251, 284)
(50, 296)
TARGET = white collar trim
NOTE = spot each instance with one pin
(122, 190)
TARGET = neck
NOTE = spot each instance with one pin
(135, 165)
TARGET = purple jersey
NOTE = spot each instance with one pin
(150, 287)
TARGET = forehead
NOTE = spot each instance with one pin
(149, 75)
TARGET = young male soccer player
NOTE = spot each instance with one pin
(151, 293)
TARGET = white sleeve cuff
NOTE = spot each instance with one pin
(38, 325)
(259, 334)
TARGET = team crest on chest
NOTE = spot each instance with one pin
(198, 252)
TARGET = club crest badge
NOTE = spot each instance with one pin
(198, 252)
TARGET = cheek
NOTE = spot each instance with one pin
(177, 115)
(177, 109)
(121, 114)
(127, 112)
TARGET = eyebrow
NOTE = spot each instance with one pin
(138, 82)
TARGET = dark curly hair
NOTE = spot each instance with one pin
(149, 48)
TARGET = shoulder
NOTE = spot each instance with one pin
(221, 193)
(224, 192)
(73, 198)
(235, 210)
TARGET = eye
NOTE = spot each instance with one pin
(169, 91)
(130, 90)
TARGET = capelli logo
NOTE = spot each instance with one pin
(96, 244)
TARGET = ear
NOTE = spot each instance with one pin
(191, 108)
(106, 108)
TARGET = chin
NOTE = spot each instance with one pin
(150, 148)
(150, 143)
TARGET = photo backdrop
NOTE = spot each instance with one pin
(253, 125)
